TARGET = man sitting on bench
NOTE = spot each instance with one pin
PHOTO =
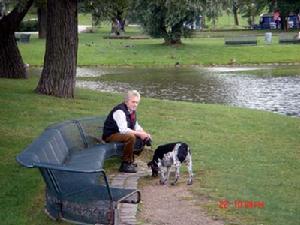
(121, 126)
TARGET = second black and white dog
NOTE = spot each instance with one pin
(171, 155)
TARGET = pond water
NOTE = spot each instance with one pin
(271, 88)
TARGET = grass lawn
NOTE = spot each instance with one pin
(238, 154)
(204, 49)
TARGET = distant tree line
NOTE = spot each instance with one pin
(166, 19)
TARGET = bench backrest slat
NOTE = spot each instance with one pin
(71, 135)
(60, 140)
(92, 129)
(50, 147)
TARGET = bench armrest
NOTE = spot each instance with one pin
(82, 169)
(74, 169)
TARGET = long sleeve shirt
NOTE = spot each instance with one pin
(120, 118)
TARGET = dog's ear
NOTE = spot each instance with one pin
(182, 152)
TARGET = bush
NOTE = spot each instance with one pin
(28, 25)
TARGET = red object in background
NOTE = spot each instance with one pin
(276, 15)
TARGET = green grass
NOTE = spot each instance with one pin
(95, 50)
(85, 19)
(238, 154)
(227, 22)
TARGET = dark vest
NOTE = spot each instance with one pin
(110, 125)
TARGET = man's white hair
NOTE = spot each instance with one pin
(132, 93)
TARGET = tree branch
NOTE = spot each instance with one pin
(11, 21)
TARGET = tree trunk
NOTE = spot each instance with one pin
(284, 22)
(11, 65)
(42, 21)
(11, 62)
(214, 22)
(95, 22)
(60, 61)
(172, 40)
(176, 33)
(235, 15)
(203, 19)
(173, 37)
(121, 21)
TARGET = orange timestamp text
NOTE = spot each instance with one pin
(240, 204)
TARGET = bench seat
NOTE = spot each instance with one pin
(71, 158)
(241, 40)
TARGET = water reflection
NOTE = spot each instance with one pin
(272, 88)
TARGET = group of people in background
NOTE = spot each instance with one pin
(278, 20)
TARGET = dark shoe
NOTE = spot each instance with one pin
(127, 168)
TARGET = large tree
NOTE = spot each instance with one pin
(60, 61)
(252, 8)
(107, 10)
(11, 62)
(213, 9)
(235, 8)
(167, 19)
(41, 6)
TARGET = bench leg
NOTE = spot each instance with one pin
(53, 207)
(116, 216)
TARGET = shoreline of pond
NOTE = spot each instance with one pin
(182, 65)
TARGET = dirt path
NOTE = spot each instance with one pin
(171, 205)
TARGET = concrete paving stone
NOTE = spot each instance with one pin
(127, 210)
(131, 222)
(126, 180)
(128, 205)
(128, 214)
(128, 217)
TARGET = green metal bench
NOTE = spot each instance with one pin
(22, 38)
(289, 38)
(70, 159)
(241, 40)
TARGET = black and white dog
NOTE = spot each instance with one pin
(171, 155)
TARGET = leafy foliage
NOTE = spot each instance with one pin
(213, 9)
(288, 6)
(166, 19)
(28, 25)
(106, 10)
